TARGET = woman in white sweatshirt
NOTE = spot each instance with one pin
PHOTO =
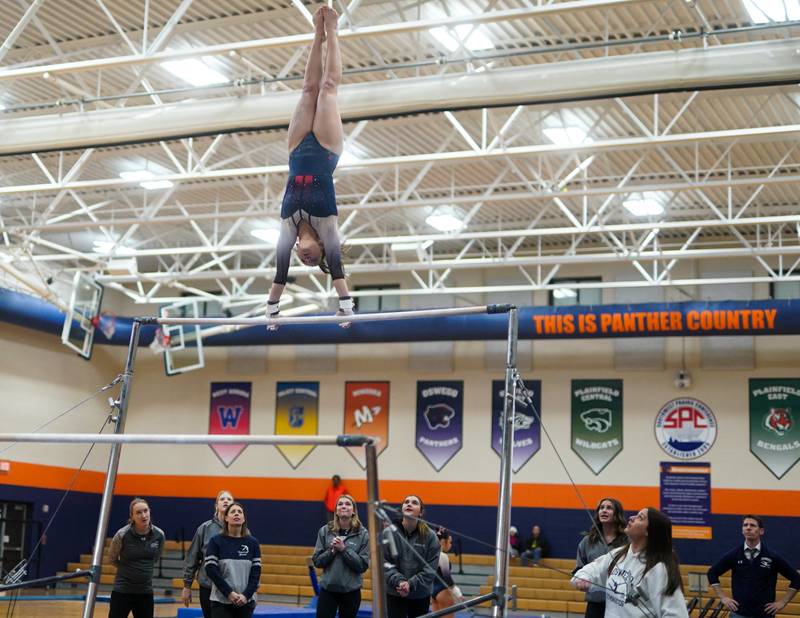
(641, 578)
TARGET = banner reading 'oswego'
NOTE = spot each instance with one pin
(597, 421)
(774, 414)
(440, 421)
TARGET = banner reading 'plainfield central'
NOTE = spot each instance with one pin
(597, 421)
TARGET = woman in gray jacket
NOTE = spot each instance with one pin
(410, 575)
(342, 552)
(609, 520)
(193, 564)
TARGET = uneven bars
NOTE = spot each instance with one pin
(144, 438)
(331, 319)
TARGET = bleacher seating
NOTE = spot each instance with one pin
(543, 588)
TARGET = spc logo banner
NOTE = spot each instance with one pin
(527, 430)
(229, 414)
(440, 421)
(774, 415)
(296, 414)
(597, 421)
(686, 428)
(366, 413)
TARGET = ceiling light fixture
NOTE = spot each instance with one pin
(107, 247)
(567, 136)
(143, 176)
(764, 11)
(194, 71)
(645, 206)
(269, 235)
(564, 293)
(445, 222)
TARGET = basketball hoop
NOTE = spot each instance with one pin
(106, 322)
(160, 342)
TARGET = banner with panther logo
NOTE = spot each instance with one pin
(229, 414)
(440, 421)
(774, 416)
(596, 421)
(527, 429)
(296, 412)
(366, 413)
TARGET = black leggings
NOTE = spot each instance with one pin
(595, 609)
(346, 602)
(123, 603)
(229, 610)
(205, 601)
(403, 607)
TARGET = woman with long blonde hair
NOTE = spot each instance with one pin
(342, 552)
(193, 564)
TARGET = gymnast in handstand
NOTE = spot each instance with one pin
(309, 218)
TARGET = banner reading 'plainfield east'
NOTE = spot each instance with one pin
(774, 414)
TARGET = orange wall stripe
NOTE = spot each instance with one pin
(543, 495)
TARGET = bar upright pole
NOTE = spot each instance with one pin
(504, 501)
(375, 529)
(111, 474)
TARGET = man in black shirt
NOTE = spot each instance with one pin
(754, 575)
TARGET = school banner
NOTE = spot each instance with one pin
(527, 430)
(296, 414)
(229, 414)
(596, 421)
(685, 489)
(660, 319)
(366, 413)
(774, 414)
(440, 421)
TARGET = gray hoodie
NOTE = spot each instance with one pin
(416, 562)
(193, 563)
(341, 571)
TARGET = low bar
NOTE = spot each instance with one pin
(45, 581)
(144, 438)
(327, 319)
(490, 596)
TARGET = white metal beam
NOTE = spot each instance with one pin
(724, 66)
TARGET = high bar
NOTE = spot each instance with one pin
(144, 438)
(331, 319)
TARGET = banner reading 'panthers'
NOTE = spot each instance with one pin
(774, 417)
(440, 421)
(597, 421)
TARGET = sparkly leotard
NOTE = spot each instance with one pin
(310, 197)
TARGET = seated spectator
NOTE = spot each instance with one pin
(535, 548)
(514, 542)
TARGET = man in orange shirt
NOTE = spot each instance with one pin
(332, 494)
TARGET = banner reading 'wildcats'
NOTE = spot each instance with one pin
(774, 416)
(440, 421)
(527, 429)
(597, 421)
(366, 413)
(229, 414)
(296, 412)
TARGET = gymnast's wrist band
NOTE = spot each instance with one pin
(273, 308)
(346, 303)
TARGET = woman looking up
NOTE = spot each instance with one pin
(641, 578)
(342, 552)
(193, 564)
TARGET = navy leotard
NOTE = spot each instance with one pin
(310, 183)
(310, 197)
